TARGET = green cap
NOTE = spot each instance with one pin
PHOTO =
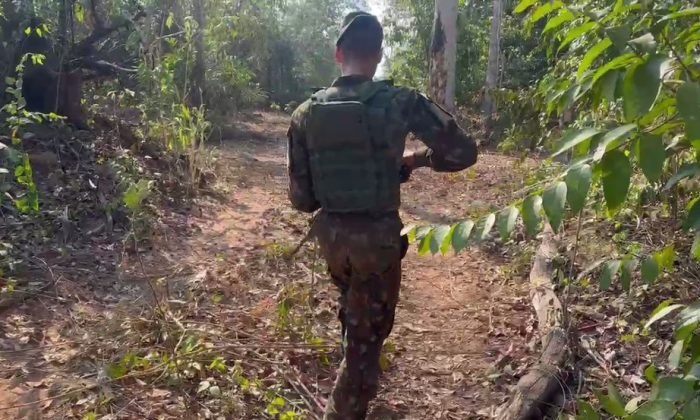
(356, 22)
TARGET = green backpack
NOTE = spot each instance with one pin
(353, 168)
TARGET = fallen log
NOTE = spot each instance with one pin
(542, 386)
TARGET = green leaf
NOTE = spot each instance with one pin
(674, 358)
(613, 402)
(644, 44)
(591, 56)
(609, 272)
(655, 410)
(686, 171)
(628, 266)
(692, 220)
(554, 202)
(575, 33)
(695, 249)
(681, 13)
(617, 173)
(460, 236)
(688, 99)
(641, 87)
(578, 183)
(442, 237)
(574, 138)
(586, 411)
(544, 10)
(484, 228)
(619, 36)
(652, 154)
(650, 374)
(532, 209)
(611, 138)
(426, 244)
(563, 17)
(666, 258)
(650, 270)
(524, 5)
(689, 315)
(692, 409)
(616, 63)
(506, 222)
(672, 389)
(661, 312)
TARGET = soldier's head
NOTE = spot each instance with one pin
(359, 45)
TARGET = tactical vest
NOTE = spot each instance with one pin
(353, 168)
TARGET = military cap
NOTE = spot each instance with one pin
(356, 22)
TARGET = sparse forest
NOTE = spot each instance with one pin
(152, 267)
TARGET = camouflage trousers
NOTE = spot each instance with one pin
(364, 260)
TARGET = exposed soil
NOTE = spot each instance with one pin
(460, 340)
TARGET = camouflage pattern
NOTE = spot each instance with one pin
(369, 291)
(449, 148)
(364, 251)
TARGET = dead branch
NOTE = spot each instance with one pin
(539, 389)
(101, 32)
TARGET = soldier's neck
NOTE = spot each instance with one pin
(358, 70)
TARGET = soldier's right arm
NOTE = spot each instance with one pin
(449, 147)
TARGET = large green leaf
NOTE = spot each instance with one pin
(628, 267)
(442, 238)
(609, 272)
(563, 17)
(650, 270)
(672, 389)
(544, 10)
(586, 411)
(661, 312)
(690, 315)
(506, 222)
(681, 13)
(688, 98)
(651, 152)
(532, 209)
(426, 246)
(692, 220)
(576, 33)
(591, 55)
(616, 63)
(554, 202)
(692, 409)
(606, 87)
(578, 183)
(676, 354)
(617, 173)
(574, 138)
(460, 235)
(613, 402)
(641, 87)
(483, 228)
(695, 249)
(612, 138)
(655, 410)
(619, 36)
(524, 5)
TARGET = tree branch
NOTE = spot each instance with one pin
(100, 33)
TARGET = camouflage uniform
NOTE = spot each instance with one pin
(364, 251)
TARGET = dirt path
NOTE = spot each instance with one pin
(458, 317)
(217, 278)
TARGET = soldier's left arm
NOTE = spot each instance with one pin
(449, 147)
(301, 193)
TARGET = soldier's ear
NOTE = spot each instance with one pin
(339, 56)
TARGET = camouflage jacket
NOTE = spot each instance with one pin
(449, 147)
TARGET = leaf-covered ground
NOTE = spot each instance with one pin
(215, 320)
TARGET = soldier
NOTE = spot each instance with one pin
(346, 158)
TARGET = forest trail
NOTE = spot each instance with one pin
(459, 341)
(458, 316)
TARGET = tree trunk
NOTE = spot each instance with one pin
(198, 76)
(494, 54)
(443, 53)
